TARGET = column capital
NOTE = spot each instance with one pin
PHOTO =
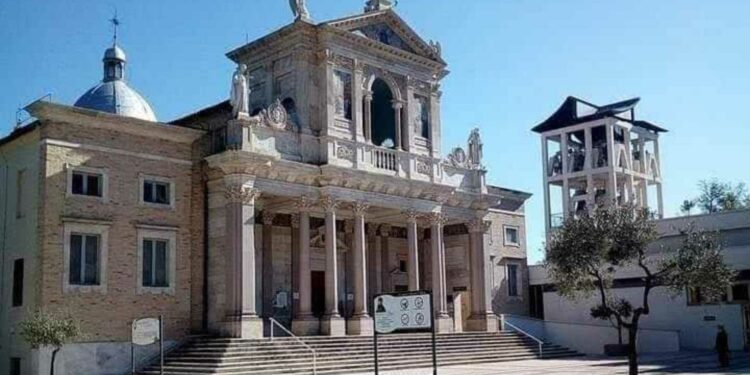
(367, 95)
(411, 215)
(385, 230)
(268, 218)
(329, 203)
(294, 220)
(372, 230)
(397, 104)
(241, 194)
(360, 208)
(437, 218)
(478, 226)
(348, 226)
(304, 203)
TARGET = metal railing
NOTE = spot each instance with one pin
(292, 335)
(515, 328)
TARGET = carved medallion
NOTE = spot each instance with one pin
(276, 116)
(423, 167)
(345, 152)
(457, 157)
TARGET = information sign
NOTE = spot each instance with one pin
(404, 312)
(145, 331)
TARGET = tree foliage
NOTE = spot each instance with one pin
(584, 255)
(46, 329)
(717, 196)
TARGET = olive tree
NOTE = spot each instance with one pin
(584, 255)
(44, 329)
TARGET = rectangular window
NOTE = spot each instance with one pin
(157, 192)
(85, 183)
(343, 93)
(21, 176)
(513, 280)
(18, 282)
(511, 236)
(15, 366)
(402, 267)
(84, 259)
(155, 260)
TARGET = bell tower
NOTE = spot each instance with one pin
(598, 155)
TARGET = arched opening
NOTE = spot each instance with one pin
(383, 115)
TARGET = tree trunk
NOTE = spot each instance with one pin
(52, 365)
(632, 353)
(619, 334)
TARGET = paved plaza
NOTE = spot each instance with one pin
(676, 363)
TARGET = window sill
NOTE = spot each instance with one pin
(510, 244)
(169, 290)
(84, 289)
(87, 197)
(158, 206)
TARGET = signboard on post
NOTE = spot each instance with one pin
(404, 312)
(147, 331)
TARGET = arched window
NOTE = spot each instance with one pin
(383, 115)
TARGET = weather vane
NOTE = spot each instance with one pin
(115, 22)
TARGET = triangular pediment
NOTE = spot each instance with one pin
(388, 28)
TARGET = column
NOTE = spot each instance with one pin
(385, 259)
(444, 324)
(482, 317)
(545, 179)
(397, 107)
(367, 114)
(357, 101)
(304, 324)
(360, 323)
(413, 242)
(333, 324)
(267, 284)
(373, 254)
(294, 234)
(241, 318)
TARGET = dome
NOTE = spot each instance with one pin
(116, 97)
(113, 94)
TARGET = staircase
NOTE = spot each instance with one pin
(348, 355)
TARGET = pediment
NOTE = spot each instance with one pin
(388, 28)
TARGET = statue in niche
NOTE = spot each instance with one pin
(299, 8)
(240, 95)
(475, 149)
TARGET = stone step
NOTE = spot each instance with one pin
(359, 368)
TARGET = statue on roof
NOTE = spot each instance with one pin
(299, 8)
(376, 5)
(475, 149)
(240, 95)
(436, 47)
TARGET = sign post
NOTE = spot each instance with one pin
(146, 332)
(401, 313)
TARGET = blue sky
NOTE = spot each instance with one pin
(512, 63)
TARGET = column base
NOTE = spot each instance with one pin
(306, 326)
(244, 327)
(359, 326)
(443, 324)
(483, 323)
(333, 326)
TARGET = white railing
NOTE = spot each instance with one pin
(385, 159)
(539, 342)
(314, 353)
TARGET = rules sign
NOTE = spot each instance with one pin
(402, 312)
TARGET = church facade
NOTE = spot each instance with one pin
(318, 185)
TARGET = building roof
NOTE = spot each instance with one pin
(576, 111)
(113, 94)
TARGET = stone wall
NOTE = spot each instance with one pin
(106, 315)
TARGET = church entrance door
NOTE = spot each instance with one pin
(318, 289)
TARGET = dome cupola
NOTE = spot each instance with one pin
(113, 94)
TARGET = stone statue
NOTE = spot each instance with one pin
(475, 149)
(376, 5)
(240, 95)
(436, 47)
(299, 8)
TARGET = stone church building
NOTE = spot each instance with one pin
(330, 188)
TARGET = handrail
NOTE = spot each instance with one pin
(538, 341)
(314, 353)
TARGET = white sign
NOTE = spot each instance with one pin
(394, 313)
(145, 331)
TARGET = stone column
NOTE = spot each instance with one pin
(294, 255)
(360, 323)
(443, 322)
(242, 319)
(397, 107)
(373, 274)
(357, 101)
(267, 284)
(333, 324)
(367, 114)
(305, 323)
(482, 318)
(413, 243)
(385, 259)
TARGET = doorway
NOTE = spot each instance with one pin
(746, 316)
(318, 297)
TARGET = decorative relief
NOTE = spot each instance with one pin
(241, 194)
(275, 116)
(304, 203)
(423, 167)
(437, 218)
(372, 230)
(360, 208)
(411, 215)
(345, 152)
(329, 203)
(457, 157)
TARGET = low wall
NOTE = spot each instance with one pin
(98, 358)
(591, 338)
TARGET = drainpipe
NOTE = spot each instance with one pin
(5, 226)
